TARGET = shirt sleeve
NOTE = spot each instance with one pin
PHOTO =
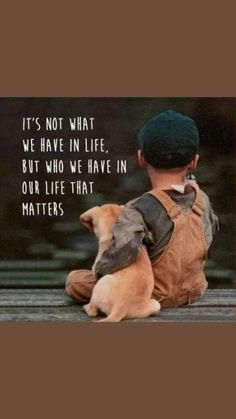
(214, 220)
(128, 234)
(210, 222)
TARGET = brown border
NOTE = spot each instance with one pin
(112, 49)
(115, 49)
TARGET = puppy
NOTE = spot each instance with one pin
(126, 294)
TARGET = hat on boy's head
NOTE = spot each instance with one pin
(169, 140)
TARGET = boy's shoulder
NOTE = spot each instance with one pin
(146, 203)
(138, 199)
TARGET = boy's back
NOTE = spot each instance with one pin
(179, 270)
(177, 229)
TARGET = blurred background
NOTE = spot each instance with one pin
(38, 251)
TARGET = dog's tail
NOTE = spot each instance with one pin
(114, 316)
(110, 318)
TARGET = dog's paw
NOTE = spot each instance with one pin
(85, 308)
(158, 307)
(155, 306)
(91, 310)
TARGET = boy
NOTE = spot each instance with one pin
(174, 220)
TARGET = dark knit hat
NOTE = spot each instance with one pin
(169, 140)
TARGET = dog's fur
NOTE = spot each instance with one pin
(127, 293)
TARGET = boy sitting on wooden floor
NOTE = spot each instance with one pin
(174, 220)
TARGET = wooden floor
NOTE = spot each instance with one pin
(53, 305)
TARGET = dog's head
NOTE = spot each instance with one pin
(100, 220)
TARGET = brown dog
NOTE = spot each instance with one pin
(127, 293)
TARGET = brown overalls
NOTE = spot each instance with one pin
(178, 272)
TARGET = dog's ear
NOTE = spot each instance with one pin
(87, 218)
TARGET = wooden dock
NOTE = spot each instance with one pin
(33, 291)
(53, 305)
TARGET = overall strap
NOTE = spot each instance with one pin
(198, 205)
(172, 209)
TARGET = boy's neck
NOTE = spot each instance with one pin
(164, 179)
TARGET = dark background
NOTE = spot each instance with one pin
(62, 242)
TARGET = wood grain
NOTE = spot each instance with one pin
(54, 305)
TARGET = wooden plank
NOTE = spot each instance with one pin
(58, 297)
(55, 305)
(34, 298)
(217, 297)
(30, 274)
(31, 264)
(32, 279)
(50, 274)
(220, 274)
(47, 278)
(75, 313)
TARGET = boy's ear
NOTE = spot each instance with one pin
(87, 218)
(141, 160)
(193, 164)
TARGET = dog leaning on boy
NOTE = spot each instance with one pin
(174, 220)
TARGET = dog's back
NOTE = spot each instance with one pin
(127, 292)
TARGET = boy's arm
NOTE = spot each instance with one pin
(214, 220)
(212, 216)
(128, 234)
(210, 222)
